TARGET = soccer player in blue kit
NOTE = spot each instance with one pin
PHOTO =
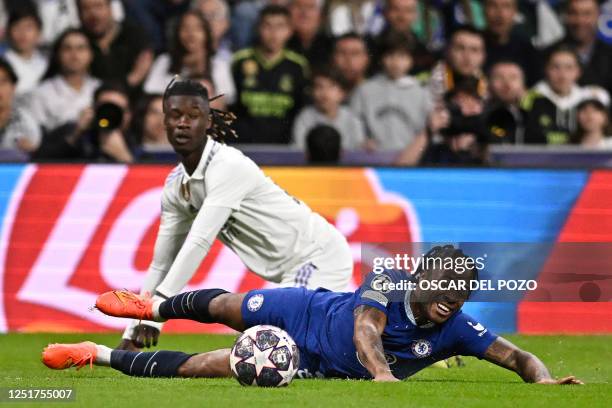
(385, 331)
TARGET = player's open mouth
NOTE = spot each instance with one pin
(443, 309)
(181, 138)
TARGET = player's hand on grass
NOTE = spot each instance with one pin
(128, 345)
(560, 381)
(145, 336)
(385, 377)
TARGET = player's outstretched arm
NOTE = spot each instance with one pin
(530, 368)
(369, 326)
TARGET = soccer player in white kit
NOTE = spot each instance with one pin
(217, 192)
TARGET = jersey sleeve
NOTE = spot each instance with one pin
(472, 338)
(229, 181)
(375, 291)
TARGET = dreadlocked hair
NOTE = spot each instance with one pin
(220, 121)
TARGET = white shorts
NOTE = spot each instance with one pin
(330, 267)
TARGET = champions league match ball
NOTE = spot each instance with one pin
(264, 356)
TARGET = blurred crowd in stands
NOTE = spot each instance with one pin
(436, 81)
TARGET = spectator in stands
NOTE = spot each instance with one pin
(350, 57)
(191, 54)
(121, 50)
(102, 135)
(156, 17)
(505, 118)
(465, 57)
(245, 17)
(148, 126)
(593, 125)
(217, 13)
(68, 88)
(323, 145)
(270, 81)
(393, 105)
(464, 139)
(24, 27)
(327, 109)
(400, 15)
(18, 129)
(216, 102)
(551, 104)
(581, 20)
(309, 39)
(503, 42)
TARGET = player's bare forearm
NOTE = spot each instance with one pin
(369, 325)
(529, 367)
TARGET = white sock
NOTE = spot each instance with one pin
(103, 356)
(157, 301)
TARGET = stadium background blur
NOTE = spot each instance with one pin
(514, 92)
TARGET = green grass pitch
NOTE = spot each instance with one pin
(478, 384)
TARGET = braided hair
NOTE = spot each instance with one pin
(220, 121)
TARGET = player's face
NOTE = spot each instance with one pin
(75, 54)
(439, 305)
(186, 121)
(274, 32)
(96, 16)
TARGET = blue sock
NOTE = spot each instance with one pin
(190, 305)
(148, 364)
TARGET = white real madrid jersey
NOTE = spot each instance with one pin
(267, 228)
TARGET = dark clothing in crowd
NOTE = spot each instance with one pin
(124, 50)
(319, 52)
(270, 93)
(518, 49)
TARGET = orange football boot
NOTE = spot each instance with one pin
(123, 303)
(62, 356)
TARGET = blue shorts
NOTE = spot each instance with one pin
(288, 309)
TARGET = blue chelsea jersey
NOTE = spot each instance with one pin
(408, 347)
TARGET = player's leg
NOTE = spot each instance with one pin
(161, 363)
(204, 306)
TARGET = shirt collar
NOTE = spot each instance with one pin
(198, 174)
(410, 314)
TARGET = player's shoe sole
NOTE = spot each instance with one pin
(63, 356)
(123, 303)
